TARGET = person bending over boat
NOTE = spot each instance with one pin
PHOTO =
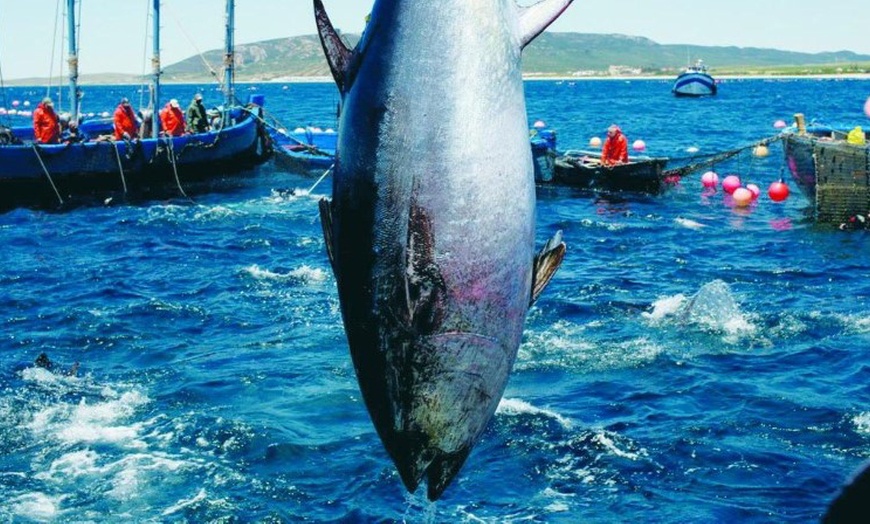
(46, 124)
(126, 125)
(172, 119)
(197, 118)
(615, 150)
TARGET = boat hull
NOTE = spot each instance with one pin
(28, 171)
(640, 174)
(303, 152)
(694, 84)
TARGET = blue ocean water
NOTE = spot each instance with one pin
(690, 362)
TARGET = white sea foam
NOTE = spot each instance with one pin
(181, 504)
(36, 506)
(564, 345)
(862, 423)
(514, 407)
(305, 274)
(665, 307)
(712, 308)
(689, 223)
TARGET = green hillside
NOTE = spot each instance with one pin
(551, 54)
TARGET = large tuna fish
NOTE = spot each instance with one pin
(430, 228)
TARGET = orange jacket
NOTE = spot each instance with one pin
(125, 122)
(172, 120)
(615, 149)
(46, 127)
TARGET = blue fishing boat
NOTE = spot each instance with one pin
(94, 162)
(695, 81)
(308, 150)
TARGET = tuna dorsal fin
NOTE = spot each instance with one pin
(326, 224)
(535, 18)
(338, 55)
(546, 263)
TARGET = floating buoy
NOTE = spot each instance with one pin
(639, 145)
(692, 150)
(742, 196)
(730, 183)
(27, 103)
(539, 124)
(778, 191)
(710, 179)
(595, 141)
(779, 124)
(754, 189)
(2, 110)
(761, 151)
(15, 103)
(867, 107)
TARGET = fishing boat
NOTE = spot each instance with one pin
(584, 169)
(831, 167)
(32, 171)
(305, 150)
(695, 81)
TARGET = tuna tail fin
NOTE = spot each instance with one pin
(546, 263)
(535, 18)
(338, 55)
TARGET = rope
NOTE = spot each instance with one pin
(171, 153)
(120, 167)
(190, 41)
(47, 174)
(713, 159)
(319, 180)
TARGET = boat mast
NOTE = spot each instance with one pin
(155, 68)
(73, 61)
(229, 57)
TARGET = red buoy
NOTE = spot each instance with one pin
(778, 191)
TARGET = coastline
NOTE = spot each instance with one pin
(31, 82)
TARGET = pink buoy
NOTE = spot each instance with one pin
(742, 197)
(540, 124)
(755, 190)
(595, 141)
(867, 107)
(15, 103)
(710, 179)
(779, 124)
(639, 145)
(778, 191)
(730, 183)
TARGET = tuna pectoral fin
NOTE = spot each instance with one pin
(337, 54)
(535, 18)
(546, 263)
(326, 223)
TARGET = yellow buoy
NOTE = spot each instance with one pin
(761, 151)
(595, 141)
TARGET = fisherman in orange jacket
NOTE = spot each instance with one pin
(615, 150)
(172, 119)
(46, 124)
(126, 125)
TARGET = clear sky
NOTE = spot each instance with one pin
(113, 31)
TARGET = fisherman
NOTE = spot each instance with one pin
(126, 124)
(46, 124)
(615, 150)
(172, 119)
(197, 118)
